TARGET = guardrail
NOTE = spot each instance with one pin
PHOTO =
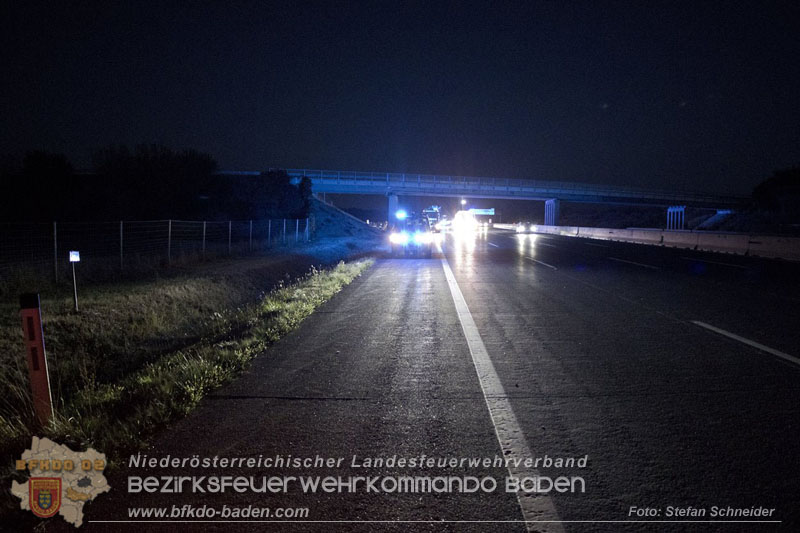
(769, 246)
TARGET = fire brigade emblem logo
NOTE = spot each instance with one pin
(45, 496)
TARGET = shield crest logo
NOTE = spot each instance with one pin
(44, 495)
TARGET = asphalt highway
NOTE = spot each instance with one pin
(673, 374)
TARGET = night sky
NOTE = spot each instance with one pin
(690, 95)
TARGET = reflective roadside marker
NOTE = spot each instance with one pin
(74, 257)
(31, 314)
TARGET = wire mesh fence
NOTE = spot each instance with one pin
(121, 245)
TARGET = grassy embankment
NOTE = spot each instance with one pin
(140, 355)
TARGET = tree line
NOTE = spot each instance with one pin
(780, 194)
(147, 182)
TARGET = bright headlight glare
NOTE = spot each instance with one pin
(398, 238)
(423, 238)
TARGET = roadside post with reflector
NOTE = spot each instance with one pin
(36, 358)
(74, 257)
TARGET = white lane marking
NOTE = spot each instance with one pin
(633, 263)
(754, 344)
(535, 507)
(493, 244)
(713, 262)
(597, 245)
(540, 262)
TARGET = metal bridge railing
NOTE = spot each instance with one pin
(498, 184)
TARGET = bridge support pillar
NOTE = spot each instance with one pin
(394, 203)
(551, 209)
(676, 217)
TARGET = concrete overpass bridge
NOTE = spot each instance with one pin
(393, 185)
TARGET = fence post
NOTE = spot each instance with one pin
(269, 233)
(283, 236)
(120, 245)
(296, 230)
(229, 237)
(169, 241)
(204, 240)
(55, 251)
(251, 235)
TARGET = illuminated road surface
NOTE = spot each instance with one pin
(665, 368)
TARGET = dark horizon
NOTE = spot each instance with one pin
(676, 95)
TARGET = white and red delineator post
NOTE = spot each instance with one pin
(31, 313)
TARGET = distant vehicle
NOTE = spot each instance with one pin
(411, 236)
(522, 227)
(433, 215)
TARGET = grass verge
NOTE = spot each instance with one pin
(117, 416)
